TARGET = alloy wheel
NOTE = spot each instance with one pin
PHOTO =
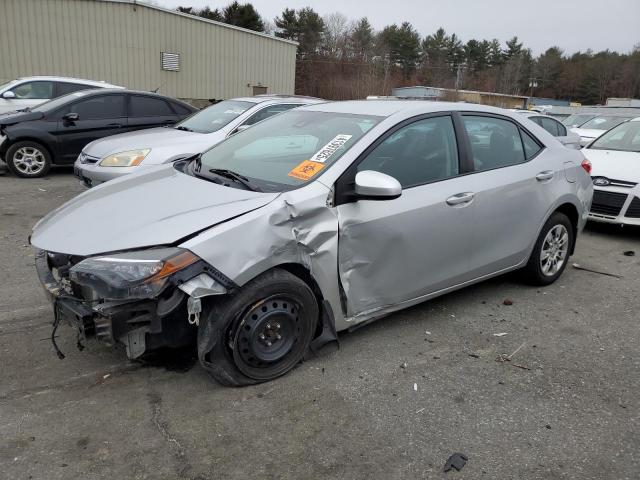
(29, 160)
(555, 248)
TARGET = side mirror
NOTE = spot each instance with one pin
(71, 117)
(9, 95)
(371, 185)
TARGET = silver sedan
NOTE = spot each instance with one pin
(309, 223)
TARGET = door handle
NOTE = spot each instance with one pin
(114, 125)
(546, 175)
(460, 198)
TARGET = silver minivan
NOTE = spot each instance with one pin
(312, 222)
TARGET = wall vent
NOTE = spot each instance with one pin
(170, 61)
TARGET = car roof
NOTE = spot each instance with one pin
(97, 83)
(102, 91)
(387, 108)
(276, 98)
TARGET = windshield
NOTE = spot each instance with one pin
(577, 119)
(215, 117)
(289, 149)
(625, 137)
(4, 86)
(604, 123)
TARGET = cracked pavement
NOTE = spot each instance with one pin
(572, 412)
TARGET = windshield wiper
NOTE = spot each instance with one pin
(242, 180)
(184, 129)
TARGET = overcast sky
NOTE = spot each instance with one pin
(571, 24)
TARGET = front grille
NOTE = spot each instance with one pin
(634, 209)
(84, 158)
(607, 203)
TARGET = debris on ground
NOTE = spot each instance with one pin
(415, 387)
(507, 358)
(427, 332)
(474, 355)
(629, 253)
(523, 367)
(577, 266)
(457, 461)
(507, 302)
(404, 365)
(501, 334)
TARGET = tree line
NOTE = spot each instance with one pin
(339, 58)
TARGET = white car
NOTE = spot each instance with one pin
(554, 127)
(126, 153)
(29, 92)
(595, 127)
(615, 160)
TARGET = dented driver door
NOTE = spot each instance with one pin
(395, 251)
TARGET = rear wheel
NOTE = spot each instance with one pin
(551, 252)
(28, 159)
(261, 332)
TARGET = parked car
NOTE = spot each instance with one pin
(616, 174)
(29, 92)
(55, 132)
(595, 127)
(311, 222)
(578, 119)
(555, 128)
(120, 155)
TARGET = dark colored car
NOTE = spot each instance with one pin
(54, 133)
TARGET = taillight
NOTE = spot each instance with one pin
(586, 164)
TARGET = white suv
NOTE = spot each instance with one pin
(28, 92)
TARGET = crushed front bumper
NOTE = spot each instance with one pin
(140, 325)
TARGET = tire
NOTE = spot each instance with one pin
(259, 333)
(554, 242)
(28, 159)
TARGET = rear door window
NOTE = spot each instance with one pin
(99, 107)
(143, 106)
(495, 142)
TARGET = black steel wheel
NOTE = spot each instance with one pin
(261, 332)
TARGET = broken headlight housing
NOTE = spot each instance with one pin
(131, 275)
(129, 158)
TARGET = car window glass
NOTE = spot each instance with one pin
(33, 90)
(604, 123)
(625, 137)
(215, 117)
(269, 112)
(421, 152)
(142, 106)
(290, 149)
(495, 142)
(531, 147)
(103, 106)
(180, 109)
(550, 126)
(65, 87)
(577, 119)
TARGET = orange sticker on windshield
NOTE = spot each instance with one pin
(306, 170)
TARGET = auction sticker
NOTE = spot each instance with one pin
(306, 170)
(330, 148)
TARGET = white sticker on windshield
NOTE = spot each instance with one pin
(330, 148)
(234, 111)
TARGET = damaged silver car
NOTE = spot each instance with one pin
(312, 222)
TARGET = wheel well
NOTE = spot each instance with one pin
(304, 274)
(572, 214)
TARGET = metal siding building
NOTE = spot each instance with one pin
(121, 42)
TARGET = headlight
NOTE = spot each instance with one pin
(130, 158)
(141, 274)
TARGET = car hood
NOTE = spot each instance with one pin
(153, 138)
(141, 210)
(11, 118)
(588, 132)
(614, 165)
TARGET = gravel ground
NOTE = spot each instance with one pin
(565, 406)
